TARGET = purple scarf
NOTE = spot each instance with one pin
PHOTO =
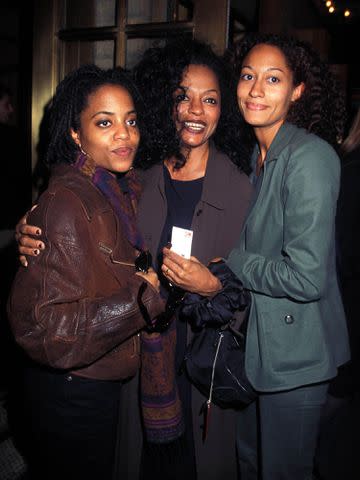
(160, 402)
(122, 193)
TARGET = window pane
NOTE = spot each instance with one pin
(149, 11)
(185, 10)
(135, 47)
(89, 13)
(79, 53)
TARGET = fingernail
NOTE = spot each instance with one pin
(41, 246)
(36, 251)
(38, 231)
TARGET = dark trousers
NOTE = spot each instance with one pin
(71, 425)
(277, 434)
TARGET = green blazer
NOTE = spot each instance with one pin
(286, 257)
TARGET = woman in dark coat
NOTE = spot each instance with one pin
(200, 185)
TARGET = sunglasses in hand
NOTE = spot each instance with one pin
(143, 261)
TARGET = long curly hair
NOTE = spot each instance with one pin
(159, 74)
(70, 100)
(321, 108)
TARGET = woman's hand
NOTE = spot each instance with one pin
(151, 277)
(191, 275)
(26, 237)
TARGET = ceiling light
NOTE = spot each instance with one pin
(347, 13)
(331, 9)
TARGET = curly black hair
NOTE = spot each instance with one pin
(158, 75)
(321, 108)
(71, 98)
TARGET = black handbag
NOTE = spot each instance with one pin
(215, 364)
(215, 358)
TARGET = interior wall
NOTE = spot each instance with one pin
(15, 72)
(9, 50)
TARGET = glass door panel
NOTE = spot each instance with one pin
(88, 13)
(76, 53)
(185, 10)
(149, 11)
(135, 47)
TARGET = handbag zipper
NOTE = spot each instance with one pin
(209, 400)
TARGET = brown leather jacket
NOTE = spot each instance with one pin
(76, 305)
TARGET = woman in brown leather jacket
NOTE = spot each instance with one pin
(77, 312)
(199, 178)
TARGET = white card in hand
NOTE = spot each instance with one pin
(181, 240)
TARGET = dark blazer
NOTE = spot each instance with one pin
(217, 224)
(286, 257)
(218, 217)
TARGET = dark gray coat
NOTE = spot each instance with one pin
(218, 217)
(217, 224)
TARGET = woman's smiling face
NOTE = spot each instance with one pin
(265, 90)
(197, 105)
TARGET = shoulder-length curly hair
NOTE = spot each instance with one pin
(321, 108)
(70, 100)
(159, 74)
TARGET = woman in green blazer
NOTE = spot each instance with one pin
(296, 332)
